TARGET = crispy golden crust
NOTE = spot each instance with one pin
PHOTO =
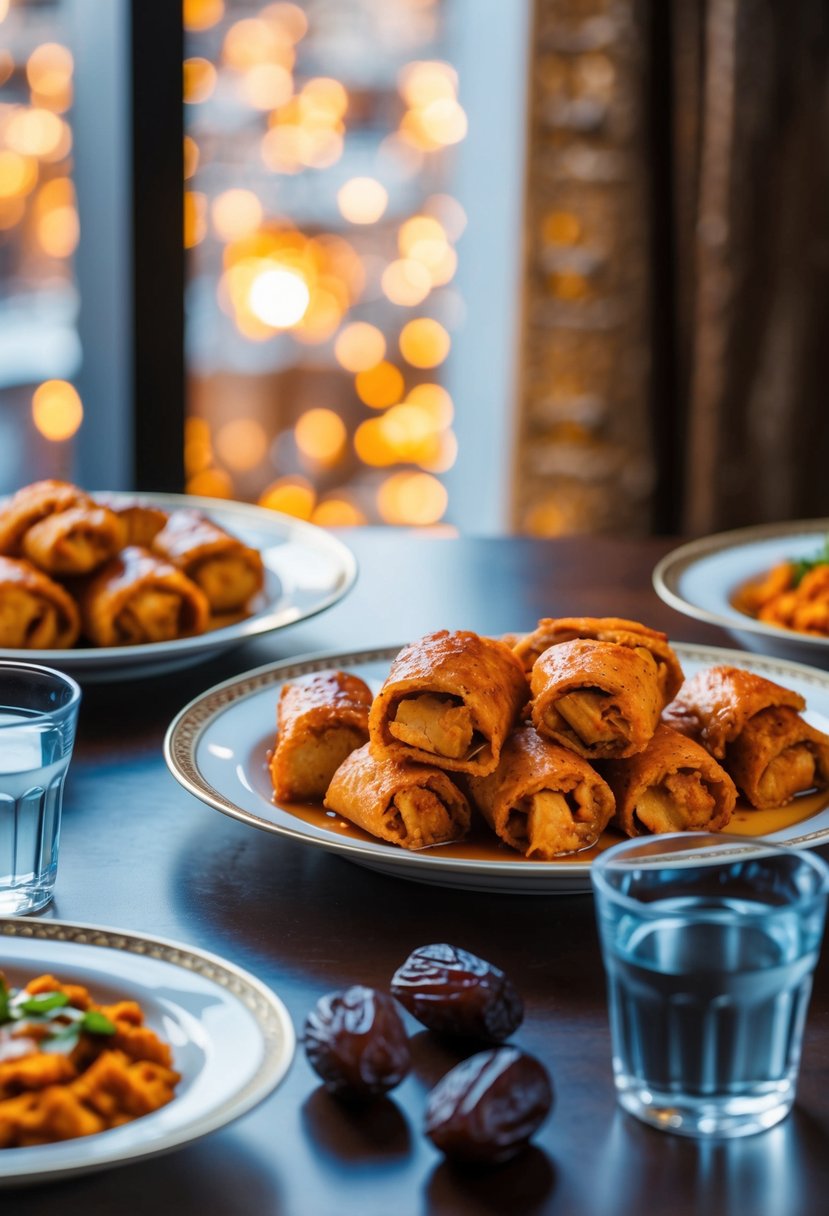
(714, 706)
(621, 682)
(483, 677)
(35, 612)
(552, 631)
(142, 521)
(32, 503)
(138, 597)
(318, 723)
(673, 785)
(776, 756)
(364, 789)
(228, 571)
(531, 765)
(75, 541)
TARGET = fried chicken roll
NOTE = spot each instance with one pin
(776, 756)
(553, 631)
(35, 612)
(228, 571)
(75, 541)
(31, 504)
(674, 785)
(411, 805)
(138, 597)
(450, 699)
(542, 799)
(142, 520)
(319, 723)
(716, 704)
(600, 699)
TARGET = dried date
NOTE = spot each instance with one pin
(486, 1109)
(356, 1042)
(453, 992)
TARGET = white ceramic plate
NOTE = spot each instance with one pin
(306, 570)
(217, 748)
(699, 579)
(232, 1038)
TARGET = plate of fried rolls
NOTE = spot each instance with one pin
(768, 586)
(506, 764)
(111, 585)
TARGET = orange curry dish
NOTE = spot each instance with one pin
(792, 595)
(70, 1067)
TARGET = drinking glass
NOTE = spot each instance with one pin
(709, 944)
(38, 717)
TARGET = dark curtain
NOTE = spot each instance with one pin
(749, 185)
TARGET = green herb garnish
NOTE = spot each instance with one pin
(802, 565)
(52, 1009)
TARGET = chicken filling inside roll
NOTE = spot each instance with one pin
(27, 623)
(152, 615)
(680, 802)
(775, 758)
(315, 759)
(550, 822)
(441, 725)
(420, 812)
(592, 718)
(227, 582)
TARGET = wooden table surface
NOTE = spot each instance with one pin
(139, 853)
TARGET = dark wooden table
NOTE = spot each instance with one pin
(139, 853)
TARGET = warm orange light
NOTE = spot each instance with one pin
(568, 285)
(418, 231)
(322, 318)
(58, 231)
(6, 64)
(423, 82)
(267, 85)
(211, 483)
(371, 444)
(37, 132)
(291, 495)
(279, 297)
(289, 18)
(561, 228)
(242, 444)
(323, 99)
(412, 499)
(252, 40)
(4, 9)
(12, 211)
(362, 200)
(410, 433)
(320, 435)
(444, 121)
(359, 346)
(57, 411)
(49, 71)
(195, 218)
(199, 79)
(406, 282)
(435, 400)
(424, 342)
(337, 513)
(202, 14)
(380, 386)
(236, 213)
(191, 156)
(18, 174)
(445, 455)
(198, 445)
(289, 148)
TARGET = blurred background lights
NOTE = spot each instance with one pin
(236, 213)
(380, 386)
(291, 495)
(359, 346)
(362, 200)
(242, 443)
(279, 298)
(202, 14)
(424, 342)
(321, 435)
(412, 498)
(199, 80)
(57, 411)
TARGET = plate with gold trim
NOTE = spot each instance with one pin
(217, 748)
(307, 570)
(231, 1036)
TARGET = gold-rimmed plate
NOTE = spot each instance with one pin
(231, 1036)
(217, 747)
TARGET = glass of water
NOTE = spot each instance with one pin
(709, 945)
(38, 717)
